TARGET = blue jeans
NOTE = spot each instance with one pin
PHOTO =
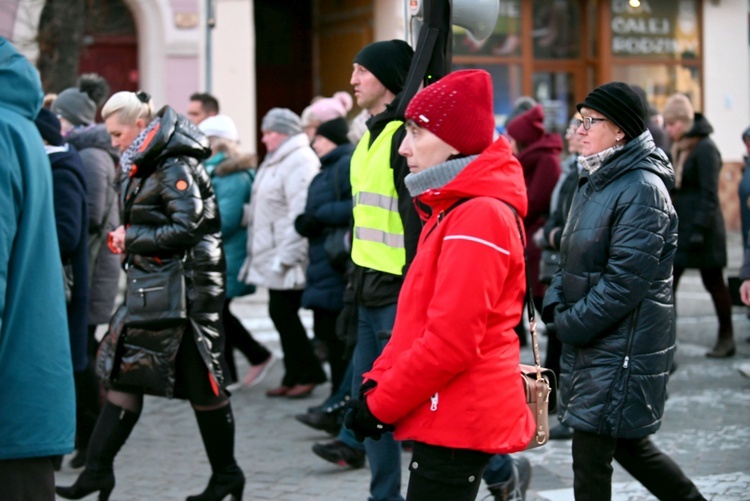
(384, 455)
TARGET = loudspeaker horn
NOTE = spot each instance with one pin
(479, 17)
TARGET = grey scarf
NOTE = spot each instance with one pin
(437, 176)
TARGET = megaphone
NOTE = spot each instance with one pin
(479, 17)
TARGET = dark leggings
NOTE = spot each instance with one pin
(713, 281)
(238, 337)
(324, 326)
(301, 366)
(592, 468)
(445, 474)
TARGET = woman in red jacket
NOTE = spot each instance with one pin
(448, 378)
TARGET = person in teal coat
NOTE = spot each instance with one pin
(37, 399)
(232, 175)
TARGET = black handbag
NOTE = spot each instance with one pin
(155, 295)
(337, 240)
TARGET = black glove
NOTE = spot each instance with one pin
(308, 226)
(362, 423)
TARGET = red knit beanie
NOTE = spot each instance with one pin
(528, 127)
(457, 109)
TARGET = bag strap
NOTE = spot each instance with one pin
(529, 299)
(441, 215)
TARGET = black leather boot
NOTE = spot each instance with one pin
(111, 431)
(217, 430)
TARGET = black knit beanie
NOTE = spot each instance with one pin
(621, 104)
(49, 127)
(335, 130)
(389, 61)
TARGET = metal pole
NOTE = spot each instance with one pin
(210, 23)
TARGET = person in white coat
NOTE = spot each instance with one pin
(277, 254)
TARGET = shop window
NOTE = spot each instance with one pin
(557, 26)
(505, 40)
(662, 80)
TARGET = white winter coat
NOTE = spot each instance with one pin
(276, 253)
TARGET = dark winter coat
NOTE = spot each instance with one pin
(71, 219)
(541, 169)
(169, 211)
(99, 165)
(37, 399)
(232, 179)
(702, 235)
(612, 301)
(329, 200)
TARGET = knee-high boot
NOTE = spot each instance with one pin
(217, 430)
(112, 429)
(725, 346)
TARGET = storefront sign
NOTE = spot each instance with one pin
(656, 28)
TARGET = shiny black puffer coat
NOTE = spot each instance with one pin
(611, 301)
(170, 210)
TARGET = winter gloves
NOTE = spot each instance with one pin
(361, 421)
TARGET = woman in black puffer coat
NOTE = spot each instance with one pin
(169, 212)
(612, 304)
(328, 207)
(702, 242)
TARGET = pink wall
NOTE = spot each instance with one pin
(8, 18)
(183, 75)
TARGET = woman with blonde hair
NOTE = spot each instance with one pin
(169, 213)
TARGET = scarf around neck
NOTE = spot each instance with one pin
(126, 159)
(437, 176)
(592, 163)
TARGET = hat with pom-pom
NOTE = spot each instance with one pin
(327, 108)
(457, 109)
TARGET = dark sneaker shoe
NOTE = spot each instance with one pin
(514, 489)
(560, 432)
(329, 422)
(339, 453)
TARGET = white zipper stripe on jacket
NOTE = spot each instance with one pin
(477, 240)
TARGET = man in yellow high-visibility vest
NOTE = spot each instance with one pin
(386, 231)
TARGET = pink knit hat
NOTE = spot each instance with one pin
(327, 108)
(457, 109)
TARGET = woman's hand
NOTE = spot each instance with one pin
(116, 240)
(745, 292)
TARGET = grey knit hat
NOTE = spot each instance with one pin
(75, 106)
(283, 121)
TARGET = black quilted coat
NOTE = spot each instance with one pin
(611, 300)
(170, 210)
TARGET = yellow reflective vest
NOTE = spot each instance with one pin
(378, 240)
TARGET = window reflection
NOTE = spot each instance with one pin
(557, 29)
(504, 41)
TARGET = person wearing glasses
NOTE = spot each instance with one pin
(168, 211)
(611, 301)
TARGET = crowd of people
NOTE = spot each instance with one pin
(375, 223)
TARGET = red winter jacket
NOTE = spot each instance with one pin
(449, 374)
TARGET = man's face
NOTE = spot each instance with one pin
(368, 91)
(423, 149)
(195, 112)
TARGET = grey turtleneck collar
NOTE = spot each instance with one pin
(436, 177)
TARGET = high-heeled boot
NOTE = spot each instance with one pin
(112, 429)
(217, 430)
(725, 346)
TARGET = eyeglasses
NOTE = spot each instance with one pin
(587, 122)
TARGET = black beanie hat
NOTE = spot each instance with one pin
(389, 61)
(621, 104)
(49, 127)
(335, 130)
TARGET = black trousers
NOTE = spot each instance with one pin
(445, 474)
(324, 327)
(301, 366)
(713, 281)
(237, 337)
(29, 479)
(592, 468)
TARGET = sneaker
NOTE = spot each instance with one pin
(560, 432)
(337, 452)
(514, 489)
(257, 373)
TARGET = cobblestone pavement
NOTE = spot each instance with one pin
(706, 427)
